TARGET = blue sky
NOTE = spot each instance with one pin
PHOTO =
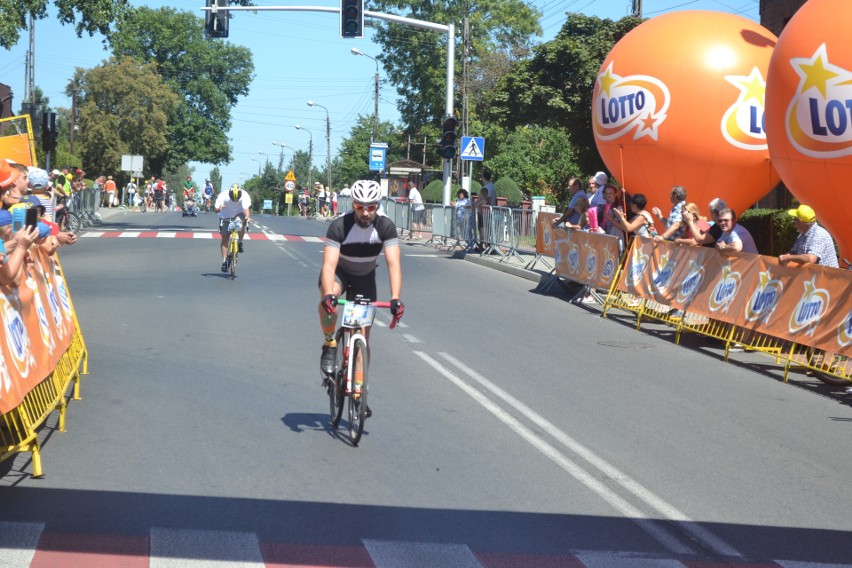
(298, 56)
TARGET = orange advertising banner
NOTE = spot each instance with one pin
(544, 234)
(15, 140)
(808, 304)
(588, 258)
(38, 323)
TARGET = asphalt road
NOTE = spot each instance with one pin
(508, 423)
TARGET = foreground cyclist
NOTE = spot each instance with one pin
(232, 203)
(354, 242)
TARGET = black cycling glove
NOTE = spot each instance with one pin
(397, 308)
(329, 303)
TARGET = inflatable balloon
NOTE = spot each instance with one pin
(679, 101)
(809, 113)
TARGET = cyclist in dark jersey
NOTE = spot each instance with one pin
(354, 242)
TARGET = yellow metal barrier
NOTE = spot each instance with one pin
(19, 427)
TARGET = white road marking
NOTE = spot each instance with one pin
(129, 234)
(386, 554)
(91, 234)
(182, 548)
(610, 471)
(799, 564)
(166, 235)
(312, 239)
(655, 530)
(18, 543)
(410, 338)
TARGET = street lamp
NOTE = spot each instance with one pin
(264, 154)
(356, 51)
(327, 141)
(281, 158)
(310, 152)
(258, 165)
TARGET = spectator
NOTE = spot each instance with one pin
(462, 205)
(708, 238)
(13, 248)
(346, 192)
(130, 193)
(606, 212)
(674, 222)
(582, 208)
(696, 220)
(489, 189)
(814, 244)
(597, 184)
(109, 187)
(732, 239)
(418, 211)
(480, 209)
(334, 202)
(642, 224)
(575, 193)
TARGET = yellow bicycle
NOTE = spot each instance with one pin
(235, 224)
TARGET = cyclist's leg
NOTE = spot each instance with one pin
(223, 242)
(328, 324)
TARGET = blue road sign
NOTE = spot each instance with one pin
(378, 154)
(472, 148)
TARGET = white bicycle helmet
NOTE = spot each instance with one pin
(366, 191)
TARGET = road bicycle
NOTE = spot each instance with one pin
(68, 220)
(234, 226)
(352, 351)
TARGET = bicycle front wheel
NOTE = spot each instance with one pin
(337, 382)
(358, 401)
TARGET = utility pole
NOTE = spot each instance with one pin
(637, 8)
(73, 117)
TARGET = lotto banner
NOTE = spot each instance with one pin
(38, 324)
(587, 258)
(544, 234)
(808, 304)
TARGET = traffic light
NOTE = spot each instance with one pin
(48, 131)
(351, 18)
(216, 23)
(448, 140)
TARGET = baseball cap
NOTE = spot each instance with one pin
(803, 213)
(5, 218)
(37, 177)
(8, 174)
(56, 172)
(601, 178)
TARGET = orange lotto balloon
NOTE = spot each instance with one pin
(679, 101)
(809, 113)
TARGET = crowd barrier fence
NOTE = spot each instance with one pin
(43, 354)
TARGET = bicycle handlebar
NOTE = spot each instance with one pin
(394, 320)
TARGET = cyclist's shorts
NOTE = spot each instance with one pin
(355, 285)
(223, 224)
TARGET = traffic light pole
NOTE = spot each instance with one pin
(450, 30)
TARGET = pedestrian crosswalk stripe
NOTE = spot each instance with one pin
(18, 543)
(187, 548)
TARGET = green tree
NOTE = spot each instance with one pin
(88, 16)
(416, 61)
(354, 163)
(554, 87)
(116, 117)
(540, 159)
(209, 77)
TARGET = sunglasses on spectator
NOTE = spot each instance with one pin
(361, 207)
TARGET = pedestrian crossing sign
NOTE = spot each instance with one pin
(472, 148)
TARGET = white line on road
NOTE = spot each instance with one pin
(415, 554)
(634, 487)
(410, 338)
(18, 543)
(657, 532)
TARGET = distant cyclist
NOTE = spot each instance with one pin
(354, 242)
(229, 204)
(208, 195)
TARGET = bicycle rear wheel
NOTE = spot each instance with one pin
(232, 264)
(73, 222)
(337, 382)
(358, 402)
